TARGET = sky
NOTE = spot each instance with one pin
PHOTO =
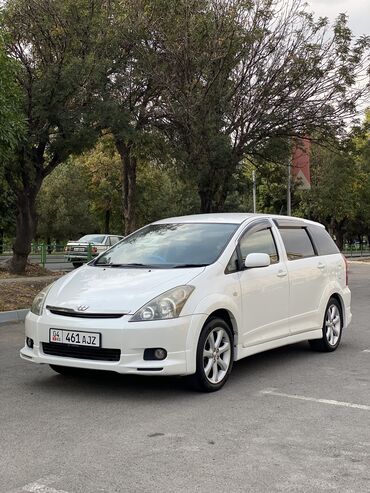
(357, 10)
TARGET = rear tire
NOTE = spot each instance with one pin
(215, 356)
(332, 328)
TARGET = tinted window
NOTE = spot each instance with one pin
(297, 243)
(259, 242)
(323, 241)
(171, 245)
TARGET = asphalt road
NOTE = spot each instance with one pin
(289, 420)
(53, 262)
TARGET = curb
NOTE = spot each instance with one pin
(13, 316)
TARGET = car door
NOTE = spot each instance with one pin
(265, 290)
(308, 276)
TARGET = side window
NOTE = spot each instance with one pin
(114, 240)
(232, 266)
(259, 242)
(323, 241)
(297, 243)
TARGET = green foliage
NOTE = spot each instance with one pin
(75, 198)
(64, 206)
(11, 123)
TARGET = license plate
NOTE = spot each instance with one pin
(78, 249)
(75, 337)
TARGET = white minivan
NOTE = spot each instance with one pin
(190, 295)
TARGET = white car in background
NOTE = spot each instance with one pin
(77, 252)
(191, 295)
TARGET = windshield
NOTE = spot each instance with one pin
(92, 239)
(170, 245)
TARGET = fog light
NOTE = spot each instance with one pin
(151, 354)
(160, 353)
(29, 342)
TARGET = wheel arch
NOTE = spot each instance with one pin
(338, 297)
(228, 317)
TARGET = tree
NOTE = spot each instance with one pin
(11, 122)
(64, 205)
(130, 94)
(238, 74)
(11, 132)
(102, 167)
(333, 197)
(58, 46)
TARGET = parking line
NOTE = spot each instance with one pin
(39, 486)
(366, 351)
(320, 401)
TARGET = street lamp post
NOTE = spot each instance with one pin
(288, 195)
(254, 191)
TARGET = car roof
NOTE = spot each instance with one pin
(233, 218)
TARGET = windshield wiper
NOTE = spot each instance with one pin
(129, 265)
(180, 266)
(122, 265)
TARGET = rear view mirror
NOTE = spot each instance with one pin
(257, 260)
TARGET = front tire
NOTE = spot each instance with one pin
(76, 265)
(332, 328)
(215, 356)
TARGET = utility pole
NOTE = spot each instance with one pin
(254, 191)
(288, 195)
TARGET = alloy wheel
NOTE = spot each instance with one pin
(216, 355)
(333, 325)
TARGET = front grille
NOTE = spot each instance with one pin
(81, 352)
(68, 312)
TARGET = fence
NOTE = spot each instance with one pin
(356, 250)
(52, 253)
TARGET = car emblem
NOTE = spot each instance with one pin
(82, 308)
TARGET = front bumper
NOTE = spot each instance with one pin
(131, 338)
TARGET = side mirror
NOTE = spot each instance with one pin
(257, 260)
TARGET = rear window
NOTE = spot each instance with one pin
(297, 243)
(92, 239)
(323, 241)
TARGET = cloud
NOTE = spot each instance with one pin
(357, 11)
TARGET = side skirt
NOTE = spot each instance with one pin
(242, 352)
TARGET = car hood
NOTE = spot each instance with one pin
(115, 290)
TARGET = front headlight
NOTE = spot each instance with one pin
(164, 306)
(39, 301)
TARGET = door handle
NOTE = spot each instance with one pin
(282, 273)
(321, 266)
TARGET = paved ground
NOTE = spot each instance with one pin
(288, 420)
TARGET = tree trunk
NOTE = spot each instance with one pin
(213, 196)
(129, 165)
(338, 229)
(107, 222)
(1, 240)
(205, 200)
(26, 227)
